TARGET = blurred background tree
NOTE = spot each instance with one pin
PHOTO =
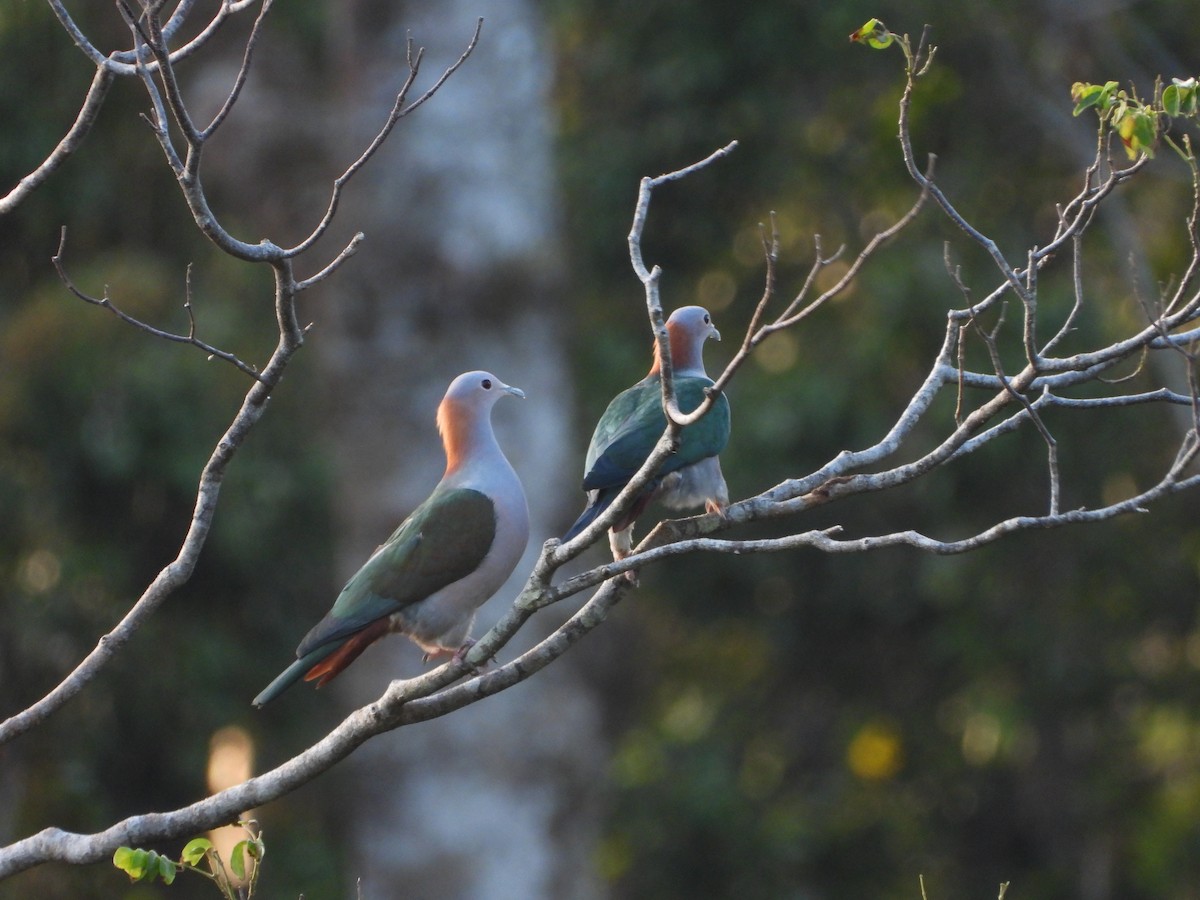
(791, 726)
(813, 726)
(104, 432)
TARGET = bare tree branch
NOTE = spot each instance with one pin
(88, 113)
(243, 71)
(336, 263)
(676, 420)
(290, 338)
(650, 279)
(176, 573)
(399, 111)
(106, 303)
(123, 63)
(990, 405)
(77, 35)
(108, 68)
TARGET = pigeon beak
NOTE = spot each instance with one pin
(716, 335)
(515, 391)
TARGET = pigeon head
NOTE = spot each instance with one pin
(464, 418)
(687, 330)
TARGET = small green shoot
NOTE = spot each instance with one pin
(200, 856)
(1139, 123)
(874, 34)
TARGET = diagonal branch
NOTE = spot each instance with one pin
(106, 303)
(399, 111)
(403, 703)
(88, 113)
(651, 277)
(176, 573)
(243, 71)
(148, 29)
(676, 419)
(290, 339)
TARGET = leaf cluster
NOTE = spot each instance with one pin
(199, 856)
(1138, 123)
(769, 770)
(1022, 643)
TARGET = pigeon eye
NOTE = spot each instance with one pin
(487, 384)
(707, 320)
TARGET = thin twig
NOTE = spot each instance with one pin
(770, 247)
(650, 280)
(88, 113)
(160, 124)
(348, 251)
(399, 111)
(106, 303)
(1068, 324)
(791, 317)
(243, 71)
(675, 419)
(150, 30)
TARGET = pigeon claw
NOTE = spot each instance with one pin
(715, 507)
(460, 655)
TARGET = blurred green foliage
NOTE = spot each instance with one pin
(829, 726)
(103, 433)
(802, 726)
(234, 878)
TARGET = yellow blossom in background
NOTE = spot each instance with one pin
(876, 752)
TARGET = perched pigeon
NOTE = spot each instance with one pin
(429, 578)
(634, 421)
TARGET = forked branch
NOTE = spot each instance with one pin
(105, 302)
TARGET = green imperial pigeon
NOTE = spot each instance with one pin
(634, 421)
(429, 578)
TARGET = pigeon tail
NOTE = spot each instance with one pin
(328, 668)
(588, 516)
(292, 674)
(603, 501)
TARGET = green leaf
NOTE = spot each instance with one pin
(123, 860)
(136, 863)
(144, 865)
(255, 848)
(1186, 91)
(1086, 96)
(166, 870)
(1145, 132)
(152, 862)
(237, 859)
(1171, 100)
(195, 851)
(1138, 131)
(874, 34)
